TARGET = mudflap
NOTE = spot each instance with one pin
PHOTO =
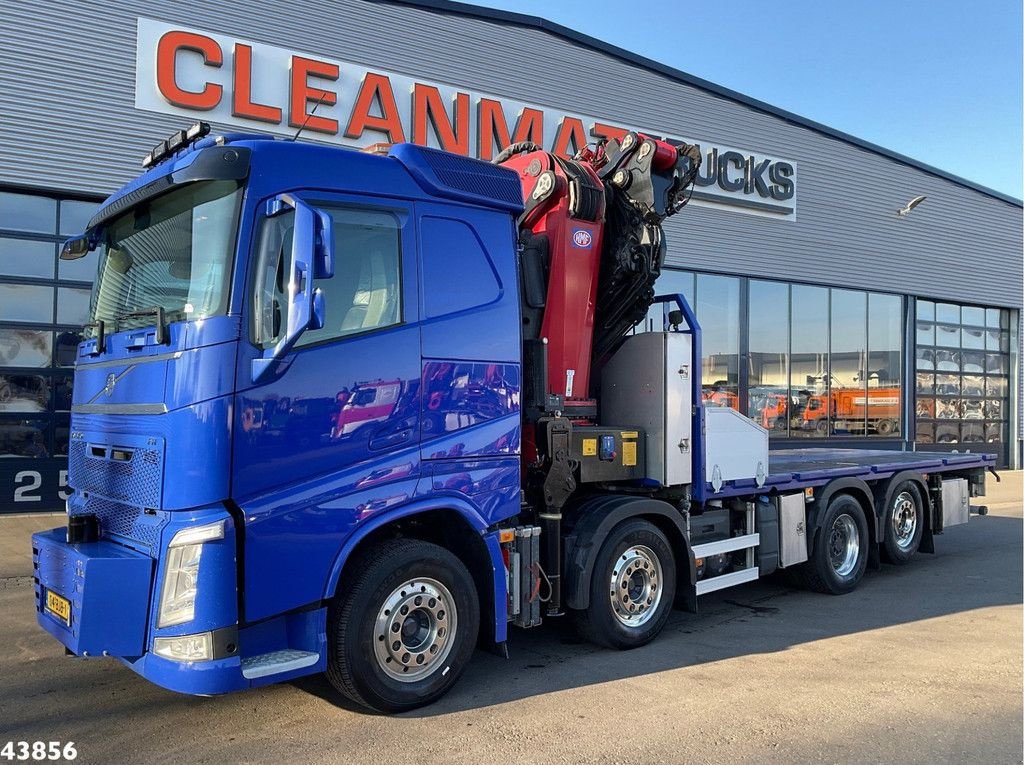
(94, 596)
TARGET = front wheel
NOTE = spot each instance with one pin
(403, 628)
(840, 554)
(632, 587)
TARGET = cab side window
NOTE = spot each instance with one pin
(365, 292)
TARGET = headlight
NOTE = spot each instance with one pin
(181, 576)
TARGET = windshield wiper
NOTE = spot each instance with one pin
(158, 312)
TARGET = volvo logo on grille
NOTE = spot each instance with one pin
(111, 382)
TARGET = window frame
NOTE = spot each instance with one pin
(403, 214)
(52, 370)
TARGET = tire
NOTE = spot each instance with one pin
(840, 554)
(434, 640)
(904, 523)
(885, 427)
(637, 561)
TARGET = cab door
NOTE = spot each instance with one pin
(331, 436)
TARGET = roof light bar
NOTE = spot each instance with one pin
(178, 140)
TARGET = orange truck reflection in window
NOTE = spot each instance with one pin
(721, 397)
(775, 410)
(851, 408)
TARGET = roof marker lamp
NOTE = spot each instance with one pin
(181, 578)
(196, 131)
(176, 141)
(159, 153)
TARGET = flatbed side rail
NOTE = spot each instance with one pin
(869, 465)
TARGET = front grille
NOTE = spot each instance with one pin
(128, 524)
(135, 481)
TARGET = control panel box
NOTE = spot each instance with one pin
(609, 454)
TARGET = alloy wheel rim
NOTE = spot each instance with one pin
(844, 545)
(635, 586)
(415, 629)
(904, 520)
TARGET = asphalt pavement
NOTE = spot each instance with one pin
(921, 664)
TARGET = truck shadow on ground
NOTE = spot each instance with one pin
(761, 617)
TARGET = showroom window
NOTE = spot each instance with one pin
(768, 399)
(43, 304)
(962, 375)
(824, 361)
(716, 301)
(820, 361)
(806, 411)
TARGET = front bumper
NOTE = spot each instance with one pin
(109, 588)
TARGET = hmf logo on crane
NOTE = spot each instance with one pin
(192, 73)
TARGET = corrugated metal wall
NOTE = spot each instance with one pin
(67, 95)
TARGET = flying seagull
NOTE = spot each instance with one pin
(910, 206)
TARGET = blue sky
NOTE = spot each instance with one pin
(935, 80)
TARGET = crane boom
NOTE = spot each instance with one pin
(592, 248)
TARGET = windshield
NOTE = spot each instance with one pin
(173, 252)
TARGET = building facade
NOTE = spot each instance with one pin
(827, 317)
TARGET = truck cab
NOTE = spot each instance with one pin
(267, 320)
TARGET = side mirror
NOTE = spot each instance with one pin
(75, 248)
(311, 257)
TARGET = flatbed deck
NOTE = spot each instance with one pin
(794, 469)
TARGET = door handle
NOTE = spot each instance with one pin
(390, 440)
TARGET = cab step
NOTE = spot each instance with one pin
(747, 542)
(731, 579)
(276, 662)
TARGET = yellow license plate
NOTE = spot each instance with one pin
(59, 607)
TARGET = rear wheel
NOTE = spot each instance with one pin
(904, 523)
(885, 427)
(404, 627)
(840, 554)
(632, 587)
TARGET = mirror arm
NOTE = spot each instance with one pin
(324, 256)
(305, 311)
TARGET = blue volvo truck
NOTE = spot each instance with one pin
(357, 413)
